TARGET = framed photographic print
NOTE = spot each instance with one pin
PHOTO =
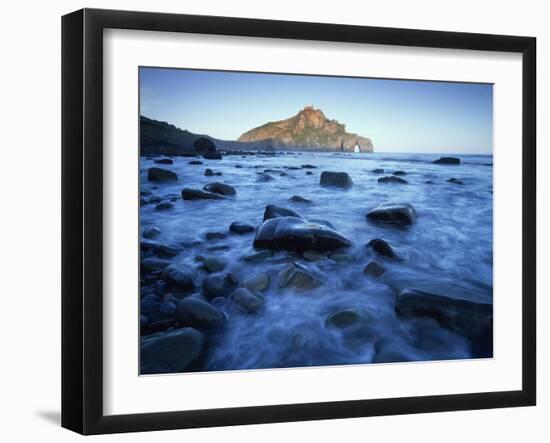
(269, 221)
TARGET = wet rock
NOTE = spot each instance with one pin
(309, 173)
(313, 256)
(374, 270)
(208, 172)
(150, 306)
(447, 161)
(382, 247)
(455, 181)
(214, 264)
(321, 221)
(194, 162)
(272, 211)
(241, 228)
(378, 171)
(165, 161)
(218, 248)
(142, 202)
(263, 177)
(298, 235)
(154, 199)
(392, 179)
(143, 321)
(343, 319)
(173, 351)
(179, 276)
(258, 256)
(153, 264)
(468, 318)
(151, 232)
(399, 173)
(338, 179)
(215, 235)
(309, 167)
(340, 257)
(220, 188)
(196, 194)
(167, 308)
(292, 168)
(199, 314)
(219, 285)
(247, 300)
(397, 214)
(161, 175)
(212, 156)
(163, 206)
(203, 144)
(299, 277)
(298, 199)
(258, 282)
(430, 182)
(158, 326)
(170, 250)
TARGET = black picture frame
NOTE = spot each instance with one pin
(82, 216)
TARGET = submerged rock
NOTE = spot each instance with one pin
(170, 352)
(263, 177)
(258, 256)
(447, 161)
(247, 300)
(161, 175)
(165, 161)
(309, 167)
(398, 214)
(309, 173)
(343, 319)
(208, 172)
(179, 276)
(399, 173)
(194, 162)
(220, 188)
(298, 235)
(258, 282)
(272, 211)
(214, 264)
(300, 277)
(374, 270)
(382, 247)
(392, 179)
(151, 232)
(241, 228)
(468, 318)
(219, 285)
(162, 206)
(338, 179)
(378, 171)
(212, 156)
(196, 194)
(455, 181)
(197, 313)
(215, 235)
(298, 199)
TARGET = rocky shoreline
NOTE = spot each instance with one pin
(192, 293)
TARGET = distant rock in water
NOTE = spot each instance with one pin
(209, 173)
(309, 129)
(194, 162)
(264, 177)
(298, 199)
(392, 179)
(399, 173)
(203, 145)
(447, 161)
(161, 175)
(399, 214)
(378, 171)
(455, 181)
(298, 235)
(338, 179)
(165, 161)
(212, 156)
(196, 194)
(272, 211)
(220, 188)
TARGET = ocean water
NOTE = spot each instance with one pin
(448, 250)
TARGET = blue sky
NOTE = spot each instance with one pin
(398, 115)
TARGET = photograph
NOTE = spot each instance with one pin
(292, 221)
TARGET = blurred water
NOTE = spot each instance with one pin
(449, 247)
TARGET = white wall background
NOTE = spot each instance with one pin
(30, 221)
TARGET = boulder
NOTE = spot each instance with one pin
(374, 270)
(153, 264)
(199, 314)
(169, 352)
(263, 177)
(203, 145)
(241, 228)
(219, 285)
(151, 232)
(309, 173)
(165, 161)
(196, 194)
(447, 161)
(179, 276)
(382, 247)
(208, 172)
(163, 206)
(272, 211)
(214, 264)
(397, 214)
(247, 300)
(338, 179)
(220, 188)
(298, 199)
(258, 282)
(465, 317)
(161, 175)
(298, 235)
(392, 179)
(399, 173)
(299, 277)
